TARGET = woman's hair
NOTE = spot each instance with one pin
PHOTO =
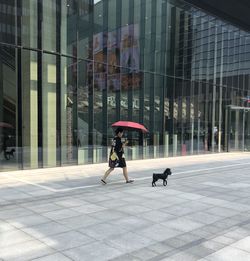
(118, 130)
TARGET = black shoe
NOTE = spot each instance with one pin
(130, 181)
(103, 182)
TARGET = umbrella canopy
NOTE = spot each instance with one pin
(5, 125)
(130, 125)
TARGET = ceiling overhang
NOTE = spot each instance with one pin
(235, 12)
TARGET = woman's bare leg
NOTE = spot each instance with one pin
(125, 173)
(107, 173)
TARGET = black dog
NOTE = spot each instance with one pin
(8, 154)
(163, 176)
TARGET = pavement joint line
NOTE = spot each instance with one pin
(31, 183)
(198, 170)
(115, 182)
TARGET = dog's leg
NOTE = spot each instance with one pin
(6, 155)
(165, 182)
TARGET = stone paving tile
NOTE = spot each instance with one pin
(28, 221)
(137, 200)
(178, 210)
(144, 254)
(45, 230)
(200, 251)
(211, 244)
(4, 226)
(61, 214)
(102, 231)
(175, 242)
(161, 247)
(158, 232)
(157, 205)
(25, 251)
(213, 230)
(156, 216)
(107, 215)
(226, 223)
(70, 202)
(14, 213)
(53, 257)
(183, 224)
(243, 244)
(203, 217)
(95, 252)
(229, 254)
(224, 240)
(41, 208)
(66, 240)
(213, 201)
(132, 223)
(79, 222)
(14, 195)
(133, 209)
(182, 256)
(193, 218)
(242, 218)
(114, 203)
(9, 238)
(204, 232)
(40, 193)
(125, 257)
(88, 208)
(237, 207)
(189, 237)
(129, 242)
(237, 233)
(191, 196)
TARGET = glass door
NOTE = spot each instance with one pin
(238, 128)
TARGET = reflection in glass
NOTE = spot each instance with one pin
(9, 152)
(82, 65)
(49, 110)
(30, 109)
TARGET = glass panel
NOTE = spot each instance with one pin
(85, 82)
(85, 29)
(236, 130)
(8, 109)
(49, 110)
(69, 135)
(29, 23)
(69, 27)
(7, 21)
(165, 64)
(99, 116)
(30, 113)
(247, 131)
(49, 25)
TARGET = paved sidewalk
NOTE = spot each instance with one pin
(66, 214)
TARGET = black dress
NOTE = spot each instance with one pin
(117, 147)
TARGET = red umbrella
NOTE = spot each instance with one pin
(130, 125)
(6, 125)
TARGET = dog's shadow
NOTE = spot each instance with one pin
(163, 176)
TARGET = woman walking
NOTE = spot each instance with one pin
(116, 158)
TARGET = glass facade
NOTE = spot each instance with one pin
(71, 68)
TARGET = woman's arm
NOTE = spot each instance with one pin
(124, 143)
